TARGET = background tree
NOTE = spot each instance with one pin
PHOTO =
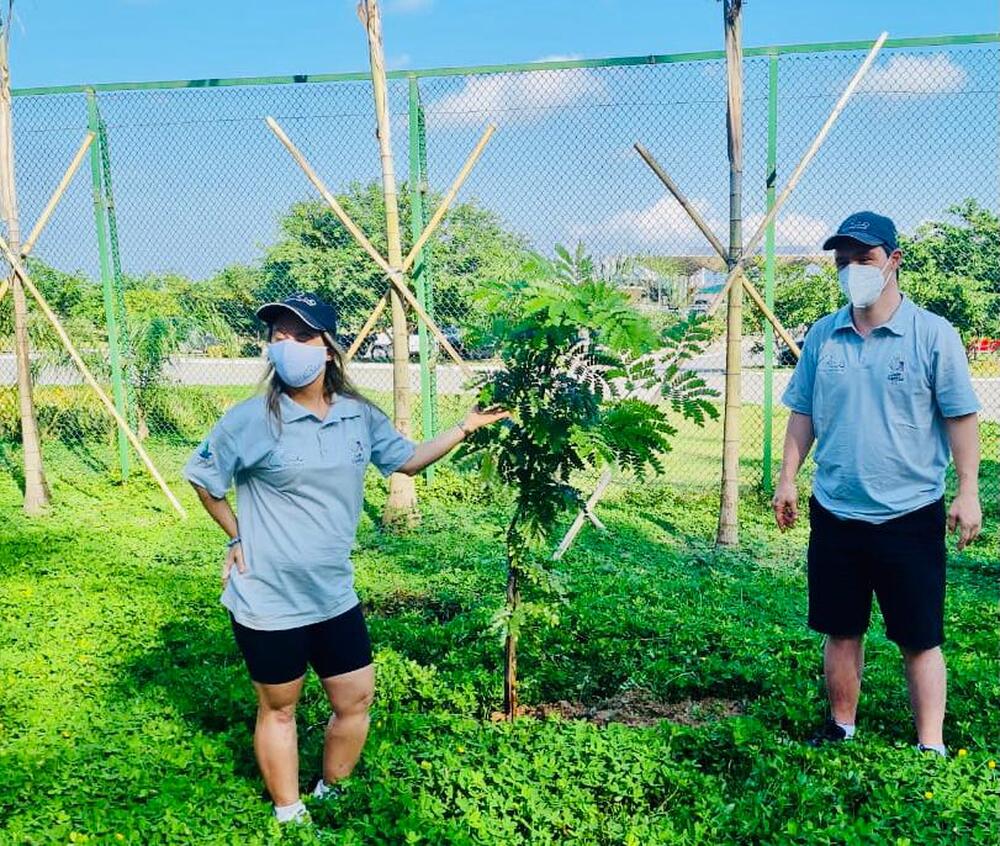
(316, 253)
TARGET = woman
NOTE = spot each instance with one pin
(298, 455)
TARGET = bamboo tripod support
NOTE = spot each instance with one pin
(88, 377)
(396, 276)
(800, 168)
(737, 271)
(418, 245)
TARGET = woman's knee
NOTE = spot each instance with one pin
(283, 713)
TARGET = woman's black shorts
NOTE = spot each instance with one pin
(332, 647)
(901, 561)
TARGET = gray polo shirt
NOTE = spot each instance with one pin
(299, 493)
(878, 406)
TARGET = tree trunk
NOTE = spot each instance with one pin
(401, 505)
(36, 490)
(510, 646)
(728, 533)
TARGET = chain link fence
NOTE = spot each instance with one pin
(191, 213)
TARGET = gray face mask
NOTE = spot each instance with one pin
(297, 364)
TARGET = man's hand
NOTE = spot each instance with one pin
(234, 556)
(965, 516)
(786, 504)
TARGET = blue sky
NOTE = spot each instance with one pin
(73, 41)
(200, 183)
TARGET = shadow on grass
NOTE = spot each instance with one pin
(198, 670)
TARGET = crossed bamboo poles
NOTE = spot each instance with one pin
(396, 275)
(18, 269)
(737, 270)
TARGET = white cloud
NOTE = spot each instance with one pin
(661, 223)
(936, 74)
(665, 224)
(399, 62)
(791, 229)
(516, 97)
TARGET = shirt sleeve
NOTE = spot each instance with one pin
(798, 395)
(214, 464)
(953, 389)
(390, 450)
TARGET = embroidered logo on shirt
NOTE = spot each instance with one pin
(205, 453)
(832, 362)
(358, 453)
(897, 369)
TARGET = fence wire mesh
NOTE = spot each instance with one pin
(193, 213)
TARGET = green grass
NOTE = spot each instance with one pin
(126, 714)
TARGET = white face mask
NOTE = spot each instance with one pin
(863, 284)
(297, 364)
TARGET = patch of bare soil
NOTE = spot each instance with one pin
(635, 708)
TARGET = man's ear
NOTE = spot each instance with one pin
(896, 257)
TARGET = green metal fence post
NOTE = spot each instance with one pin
(421, 279)
(124, 342)
(107, 277)
(772, 150)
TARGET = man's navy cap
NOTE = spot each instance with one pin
(869, 228)
(310, 308)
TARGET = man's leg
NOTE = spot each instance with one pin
(927, 680)
(350, 697)
(911, 591)
(843, 663)
(275, 740)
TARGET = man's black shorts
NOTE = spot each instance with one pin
(333, 647)
(901, 561)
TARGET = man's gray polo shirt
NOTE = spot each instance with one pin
(878, 406)
(299, 492)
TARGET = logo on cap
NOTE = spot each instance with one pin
(303, 298)
(858, 224)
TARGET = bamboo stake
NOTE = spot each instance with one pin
(429, 229)
(583, 514)
(449, 197)
(401, 503)
(367, 328)
(700, 222)
(804, 162)
(671, 186)
(728, 529)
(22, 274)
(50, 207)
(36, 489)
(394, 275)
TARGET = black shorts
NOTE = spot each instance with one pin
(333, 647)
(901, 561)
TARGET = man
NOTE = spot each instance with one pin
(883, 387)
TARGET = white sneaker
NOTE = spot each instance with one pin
(298, 815)
(323, 791)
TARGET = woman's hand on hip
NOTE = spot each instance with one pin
(234, 556)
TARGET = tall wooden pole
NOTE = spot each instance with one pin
(36, 490)
(401, 505)
(728, 533)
